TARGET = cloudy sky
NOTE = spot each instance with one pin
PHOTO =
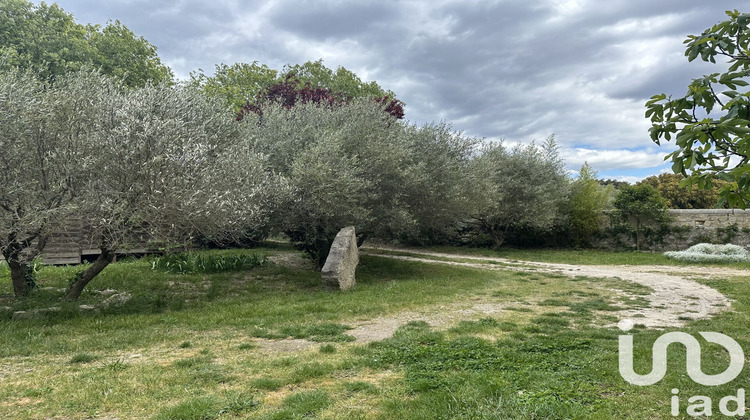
(515, 70)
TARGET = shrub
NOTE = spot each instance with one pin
(726, 234)
(711, 253)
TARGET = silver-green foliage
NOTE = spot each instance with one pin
(525, 186)
(356, 165)
(158, 160)
(441, 192)
(44, 158)
(171, 162)
(711, 253)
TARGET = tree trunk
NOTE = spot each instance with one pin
(18, 271)
(323, 248)
(77, 286)
(361, 239)
(497, 238)
(21, 273)
(638, 235)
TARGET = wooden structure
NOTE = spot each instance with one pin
(69, 245)
(75, 243)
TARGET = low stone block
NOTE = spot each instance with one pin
(54, 289)
(34, 313)
(341, 264)
(106, 292)
(116, 299)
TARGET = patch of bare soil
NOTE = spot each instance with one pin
(291, 345)
(440, 317)
(383, 327)
(292, 260)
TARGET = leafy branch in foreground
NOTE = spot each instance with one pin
(710, 125)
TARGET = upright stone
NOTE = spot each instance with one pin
(338, 271)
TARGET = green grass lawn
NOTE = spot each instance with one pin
(202, 345)
(579, 257)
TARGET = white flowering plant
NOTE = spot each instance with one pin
(711, 253)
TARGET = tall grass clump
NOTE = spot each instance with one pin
(197, 262)
(711, 253)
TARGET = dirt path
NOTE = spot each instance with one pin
(675, 297)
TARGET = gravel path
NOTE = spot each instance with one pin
(675, 297)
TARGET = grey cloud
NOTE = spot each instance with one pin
(672, 79)
(167, 21)
(183, 31)
(513, 69)
(335, 19)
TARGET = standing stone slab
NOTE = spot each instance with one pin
(338, 271)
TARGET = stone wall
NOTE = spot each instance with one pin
(710, 218)
(690, 227)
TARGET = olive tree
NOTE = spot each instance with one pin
(353, 164)
(440, 194)
(19, 222)
(157, 162)
(167, 164)
(525, 186)
(710, 125)
(43, 163)
(345, 165)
